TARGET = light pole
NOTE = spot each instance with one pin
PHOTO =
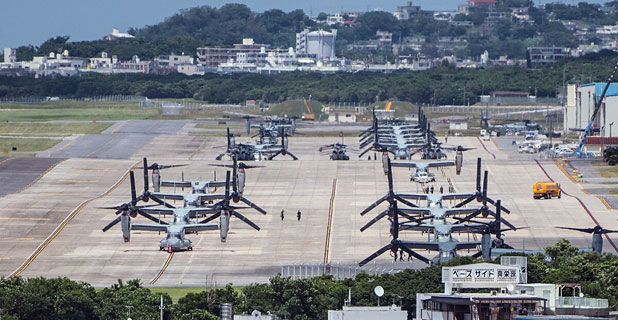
(610, 132)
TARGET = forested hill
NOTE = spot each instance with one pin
(228, 25)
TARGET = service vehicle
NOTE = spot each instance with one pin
(546, 190)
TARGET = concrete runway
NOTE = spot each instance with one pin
(119, 141)
(82, 251)
(18, 173)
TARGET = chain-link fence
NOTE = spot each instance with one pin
(305, 270)
(106, 98)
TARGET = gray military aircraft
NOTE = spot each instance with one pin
(597, 239)
(421, 174)
(337, 151)
(225, 210)
(176, 229)
(239, 176)
(129, 210)
(156, 172)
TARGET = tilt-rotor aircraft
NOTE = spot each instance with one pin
(176, 229)
(421, 174)
(438, 225)
(257, 152)
(222, 210)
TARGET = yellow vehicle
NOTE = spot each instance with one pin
(546, 189)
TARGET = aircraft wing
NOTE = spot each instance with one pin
(457, 196)
(149, 227)
(455, 211)
(211, 196)
(412, 196)
(403, 164)
(441, 163)
(202, 211)
(161, 211)
(415, 227)
(416, 210)
(168, 196)
(467, 245)
(178, 184)
(428, 245)
(201, 227)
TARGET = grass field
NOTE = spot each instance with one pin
(607, 171)
(219, 126)
(177, 292)
(27, 145)
(51, 129)
(86, 113)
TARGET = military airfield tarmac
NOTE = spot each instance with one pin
(51, 226)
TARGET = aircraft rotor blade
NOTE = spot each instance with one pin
(150, 217)
(145, 175)
(375, 255)
(214, 216)
(133, 192)
(252, 205)
(161, 202)
(111, 224)
(245, 220)
(414, 254)
(373, 205)
(374, 220)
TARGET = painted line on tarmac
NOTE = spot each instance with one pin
(16, 239)
(7, 159)
(484, 147)
(581, 203)
(330, 222)
(607, 205)
(49, 153)
(23, 219)
(64, 223)
(200, 149)
(163, 268)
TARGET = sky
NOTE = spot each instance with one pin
(27, 22)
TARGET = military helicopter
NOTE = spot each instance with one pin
(337, 151)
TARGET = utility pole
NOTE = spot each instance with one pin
(162, 307)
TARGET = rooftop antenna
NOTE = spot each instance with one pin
(379, 291)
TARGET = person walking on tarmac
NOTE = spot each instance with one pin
(282, 214)
(431, 189)
(298, 215)
(441, 189)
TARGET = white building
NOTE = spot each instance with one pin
(581, 100)
(321, 43)
(117, 35)
(368, 313)
(10, 55)
(341, 115)
(334, 19)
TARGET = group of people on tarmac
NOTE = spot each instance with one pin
(430, 189)
(298, 214)
(401, 252)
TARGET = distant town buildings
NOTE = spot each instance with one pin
(117, 35)
(541, 56)
(410, 11)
